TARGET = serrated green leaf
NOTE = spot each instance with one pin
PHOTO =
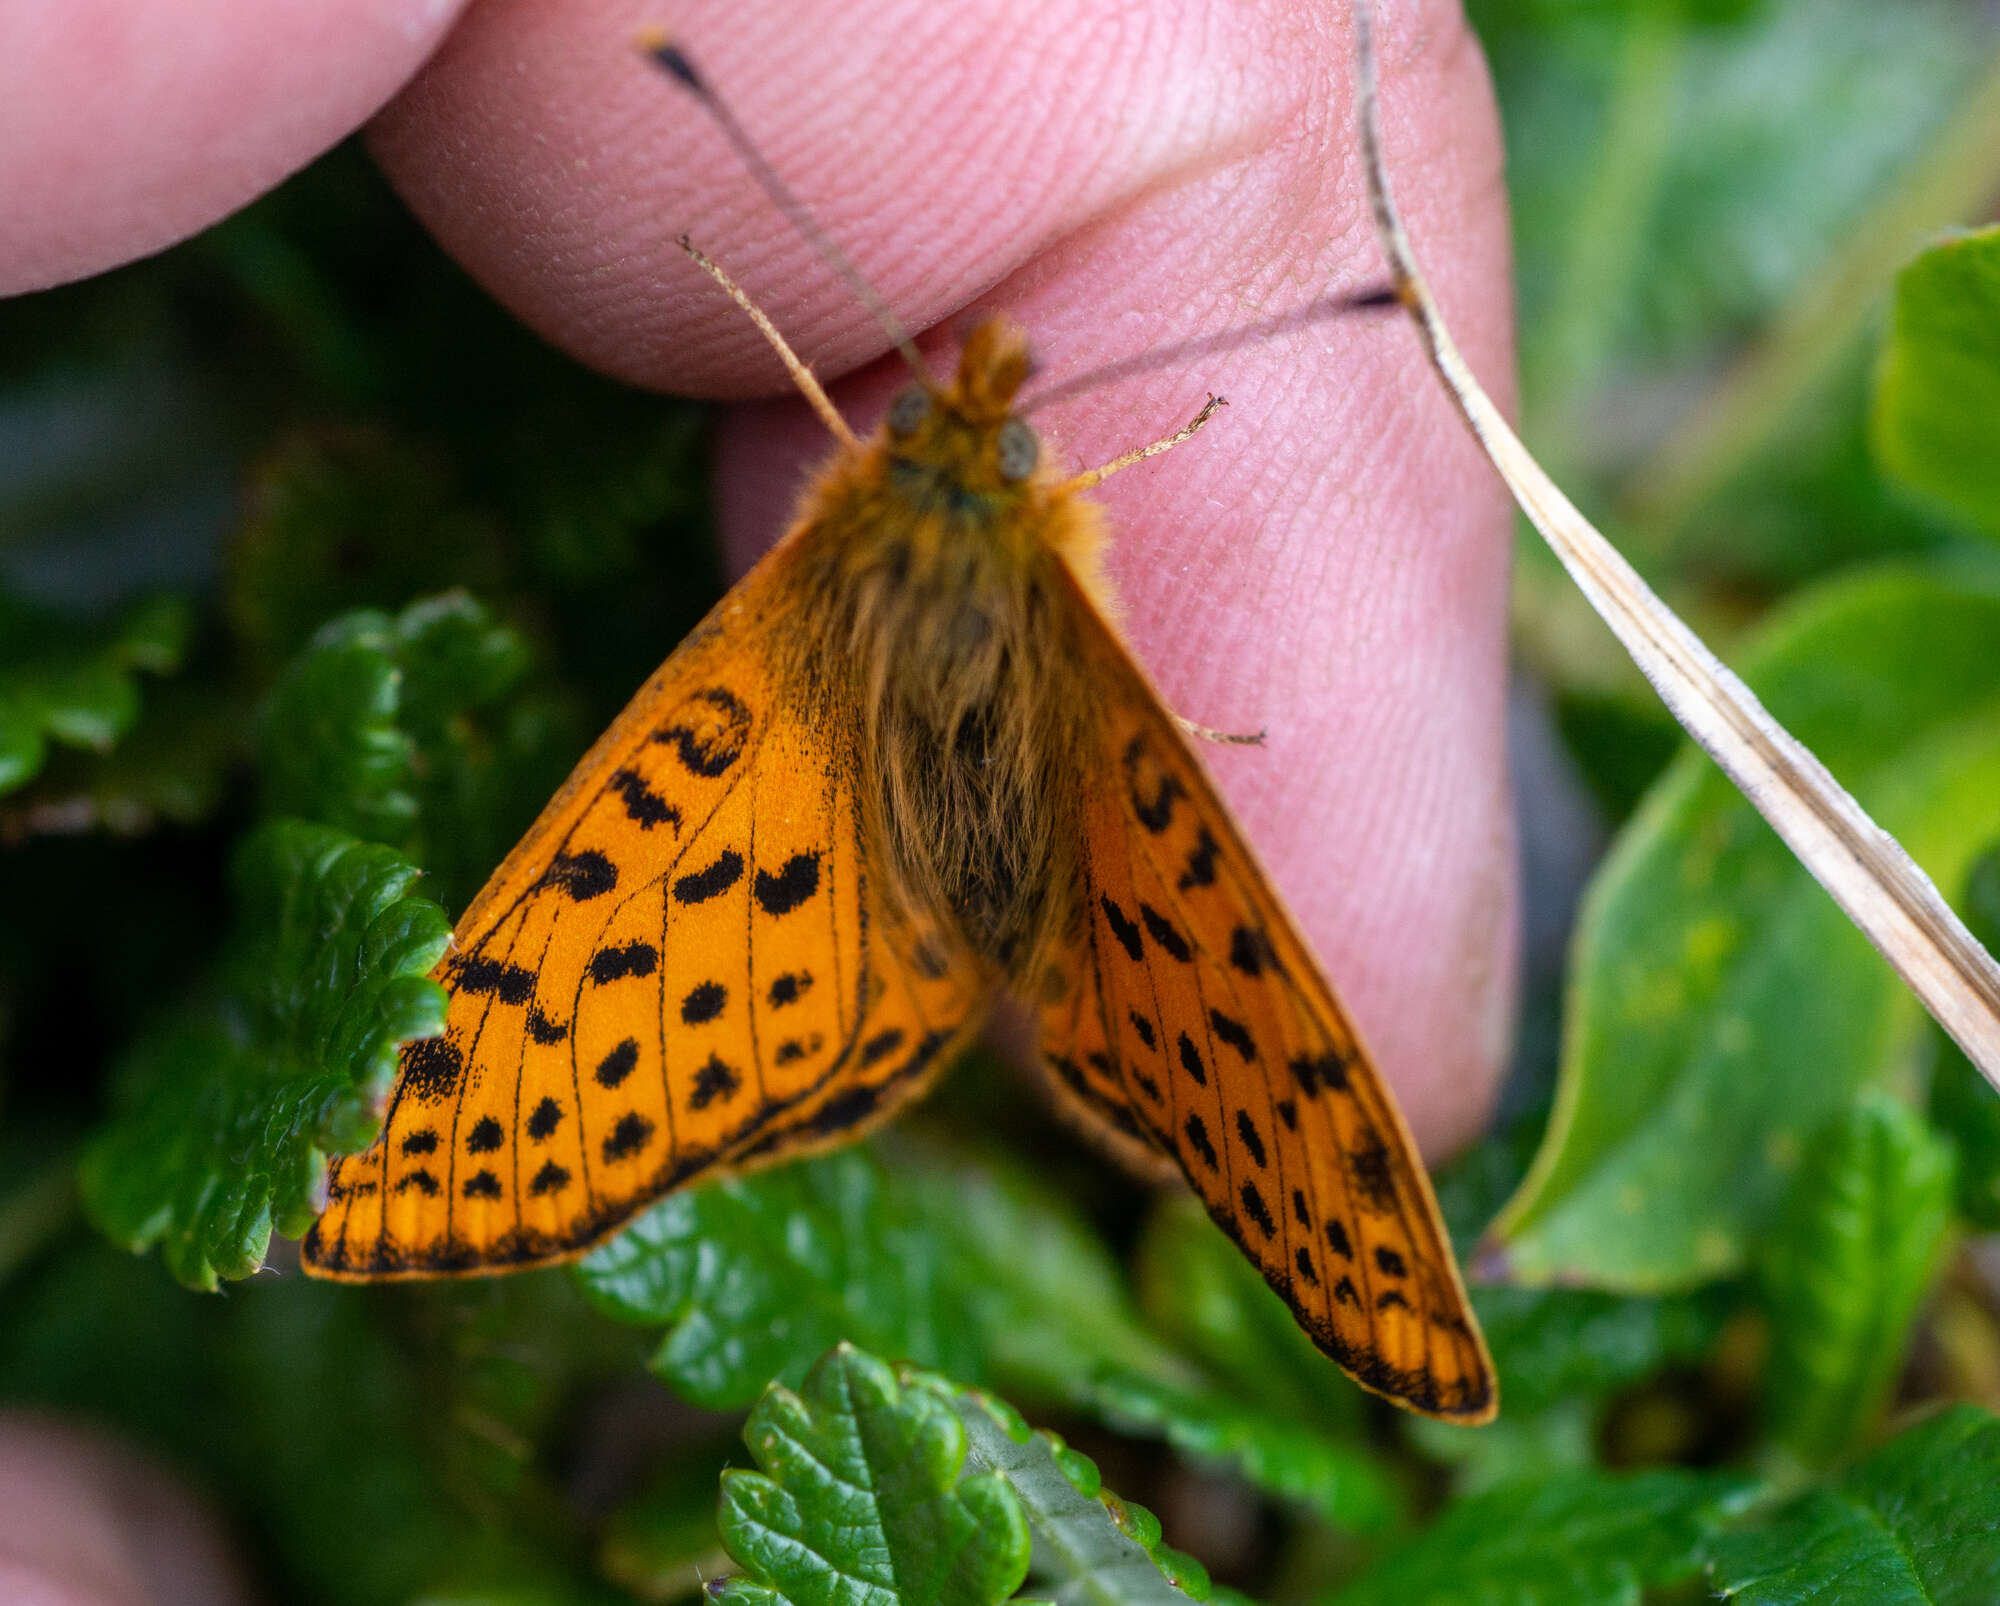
(1936, 423)
(1721, 1006)
(958, 1264)
(758, 1277)
(72, 685)
(1090, 1547)
(415, 731)
(1916, 1524)
(1963, 1103)
(224, 1116)
(1847, 1268)
(1586, 1539)
(865, 1499)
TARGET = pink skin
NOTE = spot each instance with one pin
(1326, 562)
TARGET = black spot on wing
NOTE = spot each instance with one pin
(1299, 1210)
(1391, 1300)
(793, 1049)
(1234, 1033)
(1336, 1236)
(1305, 1265)
(543, 1030)
(788, 988)
(708, 733)
(881, 1046)
(486, 1136)
(614, 964)
(843, 1110)
(1197, 1135)
(796, 881)
(1344, 1292)
(543, 1123)
(1250, 951)
(1200, 868)
(1162, 931)
(511, 984)
(422, 1141)
(713, 1081)
(1122, 928)
(632, 1133)
(1143, 1027)
(1191, 1061)
(642, 804)
(433, 1068)
(617, 1065)
(703, 1003)
(1315, 1071)
(1288, 1112)
(1373, 1175)
(552, 1178)
(1257, 1210)
(712, 881)
(1390, 1262)
(1148, 1086)
(1253, 1140)
(482, 1185)
(420, 1180)
(1151, 790)
(582, 876)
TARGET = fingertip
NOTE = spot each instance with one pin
(86, 1522)
(125, 127)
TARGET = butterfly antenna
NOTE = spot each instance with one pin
(659, 49)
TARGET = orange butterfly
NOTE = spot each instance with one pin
(868, 794)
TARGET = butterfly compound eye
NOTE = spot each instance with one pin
(1019, 450)
(910, 408)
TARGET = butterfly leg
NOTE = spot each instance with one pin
(1220, 738)
(1187, 431)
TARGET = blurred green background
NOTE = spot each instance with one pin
(316, 570)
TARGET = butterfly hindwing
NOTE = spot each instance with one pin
(683, 970)
(1194, 1019)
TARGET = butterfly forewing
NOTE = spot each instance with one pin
(684, 969)
(1197, 1021)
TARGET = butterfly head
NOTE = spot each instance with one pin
(964, 435)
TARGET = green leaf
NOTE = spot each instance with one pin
(1202, 1292)
(341, 521)
(1916, 1524)
(68, 684)
(415, 731)
(1339, 1481)
(1963, 1103)
(1721, 1007)
(171, 767)
(1847, 1268)
(1090, 1547)
(756, 1277)
(225, 1115)
(1936, 421)
(1550, 1344)
(1584, 1539)
(864, 1498)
